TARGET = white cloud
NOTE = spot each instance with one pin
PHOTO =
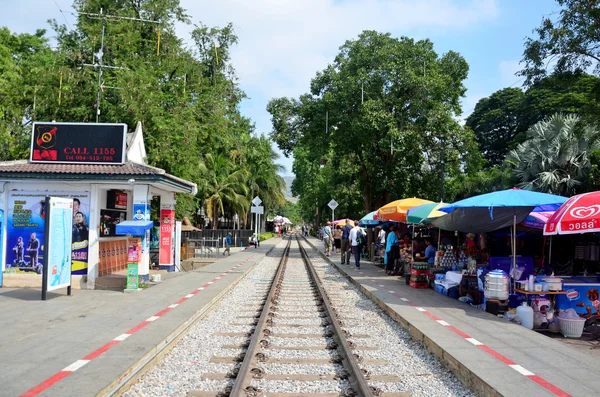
(283, 43)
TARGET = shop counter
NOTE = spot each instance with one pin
(112, 255)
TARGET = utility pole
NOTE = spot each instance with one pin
(442, 176)
(99, 55)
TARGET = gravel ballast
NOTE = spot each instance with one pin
(181, 370)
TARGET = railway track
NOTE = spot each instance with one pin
(296, 295)
(295, 331)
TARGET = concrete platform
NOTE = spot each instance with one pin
(78, 345)
(490, 355)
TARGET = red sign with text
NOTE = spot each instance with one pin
(121, 200)
(167, 225)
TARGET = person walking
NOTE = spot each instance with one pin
(356, 238)
(327, 238)
(227, 244)
(337, 238)
(346, 243)
(392, 251)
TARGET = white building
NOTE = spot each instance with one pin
(106, 194)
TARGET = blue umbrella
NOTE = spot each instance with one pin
(496, 210)
(541, 202)
(368, 220)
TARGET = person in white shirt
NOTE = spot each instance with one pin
(327, 238)
(381, 241)
(355, 238)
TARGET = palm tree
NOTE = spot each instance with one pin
(263, 172)
(556, 157)
(223, 182)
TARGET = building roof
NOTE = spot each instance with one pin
(24, 169)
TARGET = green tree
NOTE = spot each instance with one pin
(223, 183)
(496, 121)
(500, 121)
(374, 124)
(186, 95)
(463, 186)
(25, 63)
(568, 43)
(556, 157)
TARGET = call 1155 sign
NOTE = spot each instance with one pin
(78, 143)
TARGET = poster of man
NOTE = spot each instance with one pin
(80, 229)
(25, 228)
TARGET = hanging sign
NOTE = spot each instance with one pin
(91, 143)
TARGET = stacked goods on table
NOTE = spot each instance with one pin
(449, 259)
(419, 275)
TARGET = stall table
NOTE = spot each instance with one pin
(529, 293)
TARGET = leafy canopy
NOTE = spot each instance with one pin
(373, 125)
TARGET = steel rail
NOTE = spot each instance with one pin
(357, 381)
(244, 377)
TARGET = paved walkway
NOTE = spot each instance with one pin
(77, 345)
(490, 355)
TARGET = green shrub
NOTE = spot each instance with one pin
(266, 236)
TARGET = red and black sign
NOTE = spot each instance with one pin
(78, 143)
(116, 200)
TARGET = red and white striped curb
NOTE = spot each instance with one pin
(80, 363)
(528, 374)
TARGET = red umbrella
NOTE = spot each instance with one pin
(579, 214)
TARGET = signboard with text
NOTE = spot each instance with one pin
(58, 241)
(167, 226)
(89, 143)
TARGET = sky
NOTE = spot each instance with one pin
(283, 43)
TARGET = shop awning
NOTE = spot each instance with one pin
(134, 228)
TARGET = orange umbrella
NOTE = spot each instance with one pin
(396, 210)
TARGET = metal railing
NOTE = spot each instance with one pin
(201, 248)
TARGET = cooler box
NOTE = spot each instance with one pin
(583, 297)
(446, 288)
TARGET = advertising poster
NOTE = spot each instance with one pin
(25, 230)
(583, 298)
(167, 224)
(60, 223)
(141, 212)
(134, 256)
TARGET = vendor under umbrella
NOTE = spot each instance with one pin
(392, 250)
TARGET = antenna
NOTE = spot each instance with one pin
(99, 55)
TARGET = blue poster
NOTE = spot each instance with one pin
(141, 212)
(25, 229)
(59, 243)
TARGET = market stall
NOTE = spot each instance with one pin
(579, 215)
